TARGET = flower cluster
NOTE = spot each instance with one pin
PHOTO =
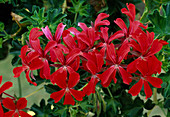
(92, 49)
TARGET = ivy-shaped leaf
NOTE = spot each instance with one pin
(161, 23)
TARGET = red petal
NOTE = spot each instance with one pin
(116, 35)
(90, 88)
(104, 33)
(92, 67)
(0, 79)
(163, 42)
(99, 61)
(47, 33)
(125, 76)
(132, 66)
(131, 13)
(72, 55)
(147, 89)
(64, 48)
(156, 82)
(123, 51)
(60, 56)
(59, 77)
(83, 26)
(121, 24)
(142, 66)
(135, 89)
(35, 33)
(106, 75)
(154, 65)
(49, 46)
(9, 114)
(135, 45)
(78, 95)
(29, 79)
(84, 38)
(24, 114)
(31, 56)
(24, 50)
(46, 69)
(59, 31)
(18, 70)
(57, 95)
(74, 78)
(21, 103)
(36, 64)
(111, 53)
(68, 99)
(9, 104)
(5, 86)
(35, 44)
(156, 47)
(99, 22)
(69, 41)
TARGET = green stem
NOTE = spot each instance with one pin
(109, 92)
(75, 17)
(83, 87)
(155, 96)
(9, 95)
(34, 92)
(19, 87)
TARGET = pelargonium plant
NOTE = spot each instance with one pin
(126, 56)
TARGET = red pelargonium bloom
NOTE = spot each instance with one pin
(67, 88)
(35, 44)
(106, 40)
(15, 109)
(145, 46)
(134, 25)
(55, 40)
(114, 58)
(70, 62)
(147, 68)
(86, 38)
(93, 65)
(30, 62)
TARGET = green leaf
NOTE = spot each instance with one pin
(78, 7)
(43, 110)
(167, 103)
(161, 23)
(1, 26)
(1, 41)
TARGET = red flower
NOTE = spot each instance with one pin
(55, 40)
(146, 47)
(5, 86)
(114, 58)
(93, 65)
(15, 109)
(35, 44)
(30, 62)
(67, 88)
(134, 25)
(70, 62)
(147, 68)
(86, 38)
